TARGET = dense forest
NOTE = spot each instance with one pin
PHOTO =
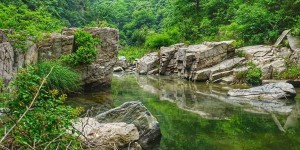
(153, 23)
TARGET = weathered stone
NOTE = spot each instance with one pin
(167, 54)
(118, 69)
(122, 62)
(214, 72)
(276, 66)
(136, 113)
(97, 136)
(6, 61)
(31, 55)
(272, 91)
(147, 63)
(281, 37)
(294, 42)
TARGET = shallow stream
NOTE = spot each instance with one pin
(199, 116)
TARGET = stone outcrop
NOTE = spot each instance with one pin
(218, 71)
(272, 91)
(185, 60)
(97, 74)
(55, 45)
(147, 63)
(108, 136)
(265, 57)
(135, 113)
(6, 61)
(168, 59)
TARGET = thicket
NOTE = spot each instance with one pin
(35, 116)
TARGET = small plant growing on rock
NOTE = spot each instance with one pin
(85, 51)
(252, 76)
(292, 72)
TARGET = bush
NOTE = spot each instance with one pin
(158, 40)
(85, 52)
(252, 76)
(62, 78)
(41, 115)
(292, 72)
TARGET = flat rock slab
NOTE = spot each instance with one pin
(272, 91)
(99, 136)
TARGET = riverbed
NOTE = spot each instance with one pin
(196, 116)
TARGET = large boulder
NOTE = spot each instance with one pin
(272, 91)
(135, 113)
(147, 63)
(108, 136)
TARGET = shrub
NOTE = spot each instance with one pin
(292, 72)
(158, 40)
(252, 76)
(240, 53)
(62, 77)
(37, 115)
(85, 52)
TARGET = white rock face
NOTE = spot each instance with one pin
(147, 63)
(272, 91)
(105, 136)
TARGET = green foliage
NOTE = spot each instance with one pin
(252, 76)
(296, 28)
(156, 41)
(47, 119)
(62, 78)
(27, 24)
(133, 53)
(1, 84)
(292, 72)
(85, 52)
(240, 53)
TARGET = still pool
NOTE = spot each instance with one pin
(199, 116)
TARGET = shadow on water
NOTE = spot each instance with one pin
(196, 116)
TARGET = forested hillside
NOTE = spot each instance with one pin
(153, 23)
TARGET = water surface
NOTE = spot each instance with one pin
(196, 116)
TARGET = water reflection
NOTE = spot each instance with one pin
(208, 100)
(196, 116)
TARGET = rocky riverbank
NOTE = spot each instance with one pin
(220, 62)
(55, 45)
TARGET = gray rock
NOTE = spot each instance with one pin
(218, 71)
(168, 58)
(147, 63)
(118, 69)
(272, 91)
(135, 113)
(97, 136)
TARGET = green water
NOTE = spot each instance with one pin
(197, 116)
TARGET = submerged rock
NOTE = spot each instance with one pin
(135, 113)
(272, 91)
(98, 136)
